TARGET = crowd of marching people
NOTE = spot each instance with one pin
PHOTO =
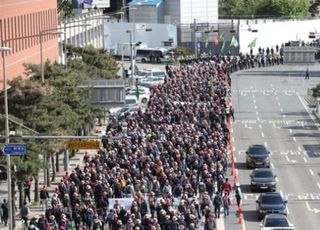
(170, 173)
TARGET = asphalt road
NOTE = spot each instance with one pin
(270, 109)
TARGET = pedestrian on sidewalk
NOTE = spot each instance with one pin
(24, 213)
(44, 196)
(238, 194)
(217, 202)
(226, 204)
(227, 186)
(5, 212)
(27, 188)
(307, 76)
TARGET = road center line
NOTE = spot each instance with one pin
(305, 159)
(260, 126)
(257, 113)
(279, 104)
(294, 139)
(318, 184)
(281, 110)
(290, 130)
(283, 116)
(265, 144)
(262, 134)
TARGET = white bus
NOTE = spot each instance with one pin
(152, 55)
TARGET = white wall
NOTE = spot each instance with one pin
(115, 32)
(201, 10)
(272, 33)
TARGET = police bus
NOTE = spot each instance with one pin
(152, 55)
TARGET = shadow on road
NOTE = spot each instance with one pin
(250, 216)
(245, 188)
(241, 165)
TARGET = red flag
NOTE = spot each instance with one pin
(216, 40)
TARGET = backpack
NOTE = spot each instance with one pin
(217, 200)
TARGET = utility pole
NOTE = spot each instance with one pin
(195, 37)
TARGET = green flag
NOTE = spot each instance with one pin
(222, 47)
(252, 44)
(206, 41)
(222, 39)
(234, 42)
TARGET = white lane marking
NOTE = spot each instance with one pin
(294, 139)
(271, 165)
(262, 134)
(305, 159)
(257, 113)
(290, 130)
(251, 87)
(260, 126)
(305, 153)
(291, 161)
(255, 107)
(312, 209)
(258, 119)
(279, 104)
(265, 144)
(281, 110)
(299, 148)
(277, 98)
(253, 96)
(283, 116)
(277, 180)
(254, 101)
(288, 210)
(311, 172)
(318, 184)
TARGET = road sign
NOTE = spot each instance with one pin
(15, 149)
(83, 145)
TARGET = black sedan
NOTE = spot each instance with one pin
(275, 221)
(257, 156)
(271, 202)
(263, 179)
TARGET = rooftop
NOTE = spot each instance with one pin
(155, 3)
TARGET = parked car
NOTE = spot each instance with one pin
(270, 202)
(263, 179)
(276, 221)
(156, 73)
(257, 156)
(127, 112)
(151, 81)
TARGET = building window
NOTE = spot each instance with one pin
(12, 35)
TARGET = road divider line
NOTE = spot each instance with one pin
(299, 148)
(279, 104)
(311, 172)
(260, 126)
(318, 185)
(271, 165)
(277, 180)
(283, 116)
(290, 130)
(262, 134)
(281, 110)
(255, 107)
(266, 144)
(294, 139)
(257, 113)
(277, 98)
(305, 159)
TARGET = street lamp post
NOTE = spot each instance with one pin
(10, 205)
(42, 33)
(131, 54)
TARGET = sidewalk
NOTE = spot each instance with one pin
(36, 208)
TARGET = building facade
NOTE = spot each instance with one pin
(21, 25)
